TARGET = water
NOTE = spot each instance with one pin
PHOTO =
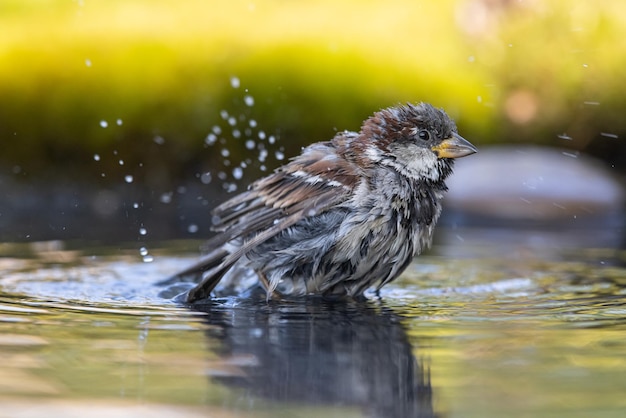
(468, 331)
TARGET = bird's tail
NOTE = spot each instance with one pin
(207, 273)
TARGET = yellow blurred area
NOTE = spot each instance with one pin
(506, 70)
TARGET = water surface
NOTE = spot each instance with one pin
(480, 332)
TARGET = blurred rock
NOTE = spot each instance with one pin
(522, 184)
(539, 201)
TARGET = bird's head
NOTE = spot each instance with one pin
(419, 141)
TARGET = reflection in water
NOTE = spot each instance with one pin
(323, 353)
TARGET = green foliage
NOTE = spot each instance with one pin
(507, 71)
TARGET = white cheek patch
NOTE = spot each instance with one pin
(425, 163)
(416, 162)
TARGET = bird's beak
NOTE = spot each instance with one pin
(454, 147)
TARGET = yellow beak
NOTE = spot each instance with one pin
(454, 147)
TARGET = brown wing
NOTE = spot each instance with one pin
(318, 179)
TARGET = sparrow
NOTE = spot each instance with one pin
(341, 217)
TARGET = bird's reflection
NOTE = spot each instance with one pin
(354, 354)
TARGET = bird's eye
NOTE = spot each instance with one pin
(424, 135)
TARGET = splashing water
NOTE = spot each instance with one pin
(237, 127)
(244, 146)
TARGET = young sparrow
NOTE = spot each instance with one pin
(342, 216)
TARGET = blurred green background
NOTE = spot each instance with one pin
(109, 106)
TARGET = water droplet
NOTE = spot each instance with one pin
(143, 231)
(148, 259)
(88, 62)
(262, 155)
(136, 205)
(250, 144)
(96, 157)
(237, 173)
(128, 178)
(608, 135)
(564, 136)
(279, 155)
(248, 100)
(121, 162)
(230, 187)
(206, 178)
(119, 122)
(234, 82)
(224, 114)
(159, 140)
(232, 121)
(261, 135)
(224, 152)
(271, 139)
(570, 154)
(533, 183)
(217, 130)
(143, 251)
(192, 228)
(104, 123)
(221, 175)
(166, 198)
(210, 139)
(236, 133)
(252, 123)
